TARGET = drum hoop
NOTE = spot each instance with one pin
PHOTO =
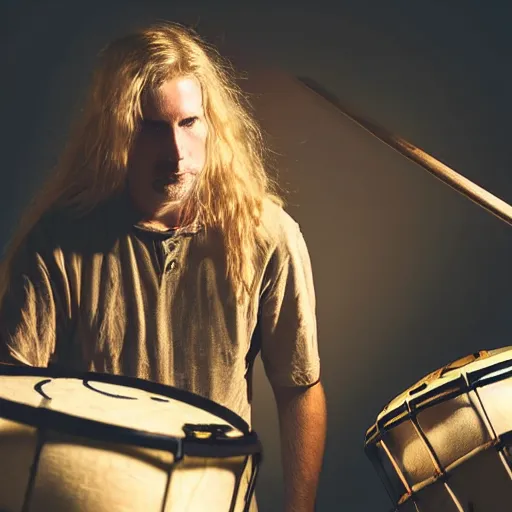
(480, 378)
(217, 447)
(452, 389)
(505, 438)
(49, 419)
(133, 382)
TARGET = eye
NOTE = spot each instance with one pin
(188, 122)
(154, 126)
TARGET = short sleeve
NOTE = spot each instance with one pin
(287, 322)
(31, 312)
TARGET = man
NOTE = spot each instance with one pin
(160, 250)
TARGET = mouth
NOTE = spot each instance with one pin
(162, 182)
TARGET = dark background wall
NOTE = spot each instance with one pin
(409, 275)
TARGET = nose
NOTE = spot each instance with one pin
(174, 146)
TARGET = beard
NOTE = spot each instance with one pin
(160, 189)
(173, 188)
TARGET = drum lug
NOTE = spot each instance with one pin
(210, 431)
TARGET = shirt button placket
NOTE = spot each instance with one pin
(170, 265)
(170, 247)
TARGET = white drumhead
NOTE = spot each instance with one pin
(436, 380)
(108, 403)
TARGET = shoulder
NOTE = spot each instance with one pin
(280, 227)
(281, 234)
(55, 230)
(288, 267)
(95, 231)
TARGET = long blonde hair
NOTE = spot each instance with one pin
(234, 184)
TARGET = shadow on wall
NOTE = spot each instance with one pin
(403, 275)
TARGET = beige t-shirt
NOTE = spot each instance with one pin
(102, 294)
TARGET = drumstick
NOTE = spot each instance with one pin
(467, 188)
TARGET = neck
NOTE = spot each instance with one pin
(166, 219)
(163, 218)
(158, 225)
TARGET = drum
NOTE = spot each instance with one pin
(445, 445)
(101, 443)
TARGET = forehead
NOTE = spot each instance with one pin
(176, 97)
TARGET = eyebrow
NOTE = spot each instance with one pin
(155, 121)
(151, 119)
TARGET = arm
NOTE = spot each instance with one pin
(302, 422)
(289, 351)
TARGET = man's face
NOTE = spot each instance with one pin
(169, 150)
